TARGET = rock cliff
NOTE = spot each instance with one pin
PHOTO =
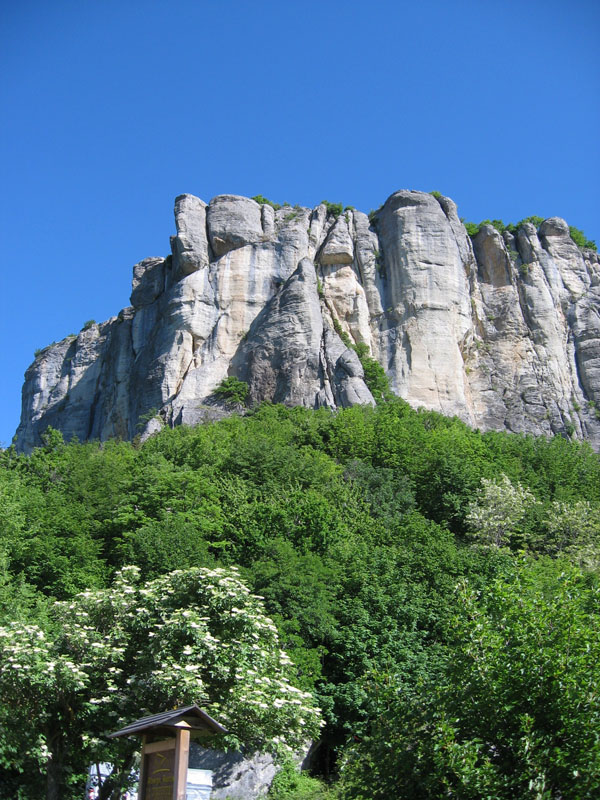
(502, 330)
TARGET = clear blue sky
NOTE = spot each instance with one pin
(112, 108)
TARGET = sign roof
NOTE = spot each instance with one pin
(193, 715)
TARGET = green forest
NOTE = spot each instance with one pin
(418, 598)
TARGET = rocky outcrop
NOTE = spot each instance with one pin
(292, 356)
(502, 330)
(234, 776)
(427, 322)
(239, 776)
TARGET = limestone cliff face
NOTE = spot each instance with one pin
(503, 331)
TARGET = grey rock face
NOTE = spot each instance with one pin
(427, 301)
(338, 247)
(237, 776)
(233, 222)
(281, 358)
(291, 356)
(190, 246)
(148, 282)
(234, 776)
(503, 331)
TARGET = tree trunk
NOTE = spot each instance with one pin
(54, 775)
(106, 788)
(112, 787)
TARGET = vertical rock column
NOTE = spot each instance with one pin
(427, 302)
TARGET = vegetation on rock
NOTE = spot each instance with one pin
(577, 235)
(335, 209)
(263, 201)
(581, 239)
(377, 381)
(233, 391)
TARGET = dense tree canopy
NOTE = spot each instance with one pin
(356, 528)
(511, 711)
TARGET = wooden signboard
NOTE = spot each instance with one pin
(166, 750)
(159, 771)
(163, 773)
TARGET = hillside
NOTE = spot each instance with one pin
(435, 587)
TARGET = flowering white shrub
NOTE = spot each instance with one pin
(498, 510)
(113, 655)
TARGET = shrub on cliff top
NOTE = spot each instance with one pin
(263, 201)
(577, 235)
(333, 208)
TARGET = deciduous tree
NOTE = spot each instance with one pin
(113, 655)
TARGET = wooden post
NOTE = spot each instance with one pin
(142, 777)
(182, 754)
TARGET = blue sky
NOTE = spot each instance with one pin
(110, 109)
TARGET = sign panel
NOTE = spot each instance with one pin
(159, 775)
(199, 784)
